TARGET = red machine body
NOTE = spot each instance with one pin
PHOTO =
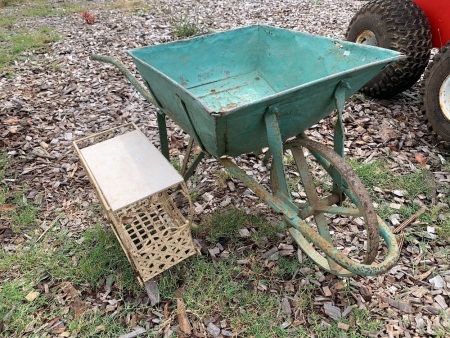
(438, 14)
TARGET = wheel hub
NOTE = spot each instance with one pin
(444, 97)
(367, 37)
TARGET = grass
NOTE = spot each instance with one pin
(230, 291)
(14, 206)
(15, 41)
(40, 8)
(137, 7)
(221, 287)
(24, 40)
(184, 27)
(56, 260)
(51, 262)
(6, 21)
(377, 175)
(223, 227)
(43, 8)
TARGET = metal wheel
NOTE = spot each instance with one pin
(444, 97)
(331, 198)
(367, 37)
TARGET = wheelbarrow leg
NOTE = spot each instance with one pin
(185, 171)
(276, 149)
(279, 184)
(339, 96)
(162, 127)
(314, 201)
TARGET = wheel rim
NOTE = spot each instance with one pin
(444, 97)
(367, 37)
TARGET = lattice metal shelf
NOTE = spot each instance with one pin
(143, 197)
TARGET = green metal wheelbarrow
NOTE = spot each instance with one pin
(251, 88)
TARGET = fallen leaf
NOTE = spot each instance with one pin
(425, 274)
(420, 159)
(166, 310)
(79, 308)
(59, 329)
(7, 207)
(183, 320)
(69, 290)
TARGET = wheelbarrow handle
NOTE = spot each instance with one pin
(123, 69)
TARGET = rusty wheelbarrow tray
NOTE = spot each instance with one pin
(254, 87)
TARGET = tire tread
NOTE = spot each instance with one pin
(405, 17)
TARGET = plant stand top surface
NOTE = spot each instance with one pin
(128, 168)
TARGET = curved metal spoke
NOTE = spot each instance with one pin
(313, 198)
(319, 207)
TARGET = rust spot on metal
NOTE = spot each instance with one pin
(228, 107)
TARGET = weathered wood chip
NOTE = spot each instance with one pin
(32, 295)
(286, 307)
(365, 292)
(137, 332)
(108, 284)
(326, 291)
(398, 304)
(332, 311)
(343, 326)
(433, 310)
(213, 330)
(441, 301)
(420, 291)
(346, 311)
(226, 333)
(420, 323)
(151, 286)
(269, 253)
(437, 282)
(244, 232)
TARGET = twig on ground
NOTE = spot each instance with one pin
(6, 317)
(400, 241)
(50, 157)
(138, 330)
(409, 220)
(49, 227)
